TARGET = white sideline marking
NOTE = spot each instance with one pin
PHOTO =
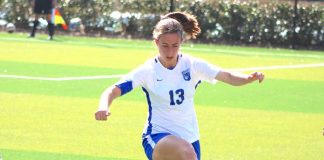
(120, 75)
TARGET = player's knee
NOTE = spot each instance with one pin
(188, 152)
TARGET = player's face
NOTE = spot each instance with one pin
(168, 45)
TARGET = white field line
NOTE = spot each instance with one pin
(120, 75)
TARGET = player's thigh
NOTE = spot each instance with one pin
(173, 148)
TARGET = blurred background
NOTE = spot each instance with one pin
(49, 89)
(270, 23)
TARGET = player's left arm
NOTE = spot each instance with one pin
(238, 79)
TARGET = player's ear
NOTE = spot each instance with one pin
(156, 42)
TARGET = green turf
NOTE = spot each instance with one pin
(279, 119)
(295, 96)
(34, 155)
(54, 70)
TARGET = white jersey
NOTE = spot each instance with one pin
(170, 94)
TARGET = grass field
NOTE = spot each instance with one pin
(282, 118)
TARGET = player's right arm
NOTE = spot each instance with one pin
(106, 100)
(124, 86)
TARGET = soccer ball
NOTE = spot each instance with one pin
(10, 28)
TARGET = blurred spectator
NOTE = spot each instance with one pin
(76, 26)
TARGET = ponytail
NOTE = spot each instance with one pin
(177, 22)
(188, 22)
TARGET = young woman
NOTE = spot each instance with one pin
(43, 7)
(169, 81)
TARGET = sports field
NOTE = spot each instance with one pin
(49, 91)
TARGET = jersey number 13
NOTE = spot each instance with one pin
(176, 97)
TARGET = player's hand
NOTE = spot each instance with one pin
(256, 76)
(102, 115)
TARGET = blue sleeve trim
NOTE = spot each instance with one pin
(125, 87)
(149, 128)
(197, 84)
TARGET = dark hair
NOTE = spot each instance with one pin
(177, 22)
(188, 22)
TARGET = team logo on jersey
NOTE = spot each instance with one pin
(186, 74)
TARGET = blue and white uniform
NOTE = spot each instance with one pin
(170, 97)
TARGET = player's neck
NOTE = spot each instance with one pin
(170, 64)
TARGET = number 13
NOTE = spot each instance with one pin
(180, 98)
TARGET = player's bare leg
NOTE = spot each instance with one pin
(173, 148)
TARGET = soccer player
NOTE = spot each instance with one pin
(43, 7)
(169, 81)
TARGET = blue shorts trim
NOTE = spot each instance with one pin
(196, 146)
(149, 142)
